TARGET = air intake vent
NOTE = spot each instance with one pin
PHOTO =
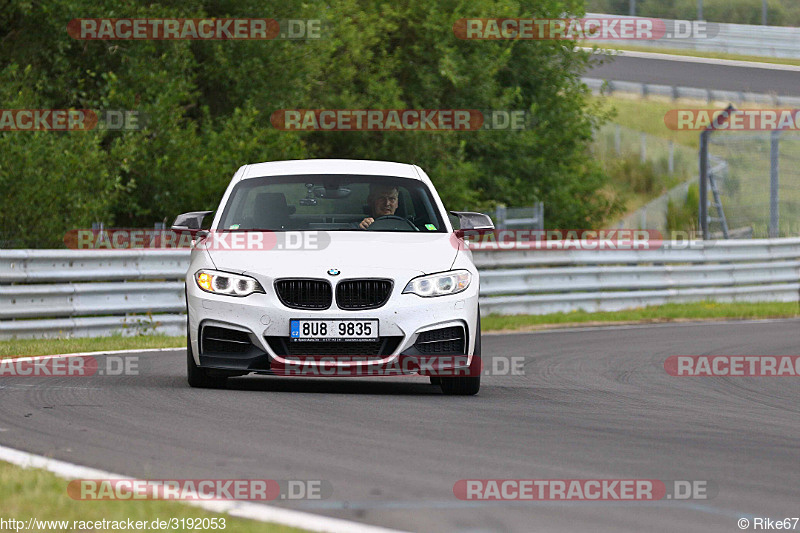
(223, 340)
(445, 341)
(304, 293)
(356, 294)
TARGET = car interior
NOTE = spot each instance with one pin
(323, 204)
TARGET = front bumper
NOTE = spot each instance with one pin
(263, 321)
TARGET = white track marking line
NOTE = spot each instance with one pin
(85, 354)
(252, 511)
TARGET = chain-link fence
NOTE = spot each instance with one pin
(647, 166)
(758, 185)
(612, 141)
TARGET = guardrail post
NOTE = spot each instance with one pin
(500, 215)
(774, 166)
(704, 135)
(540, 217)
(703, 214)
(671, 160)
(643, 148)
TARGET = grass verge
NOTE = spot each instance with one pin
(11, 348)
(646, 115)
(36, 493)
(662, 313)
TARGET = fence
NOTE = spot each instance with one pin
(520, 217)
(746, 39)
(49, 293)
(670, 166)
(758, 192)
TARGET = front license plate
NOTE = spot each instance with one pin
(333, 330)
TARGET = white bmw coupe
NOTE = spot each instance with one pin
(333, 268)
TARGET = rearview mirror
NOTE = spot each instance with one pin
(332, 192)
(191, 222)
(471, 221)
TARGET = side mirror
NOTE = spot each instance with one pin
(191, 221)
(473, 222)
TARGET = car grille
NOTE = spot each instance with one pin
(359, 294)
(446, 340)
(223, 340)
(382, 347)
(304, 293)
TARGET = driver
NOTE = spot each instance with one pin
(382, 201)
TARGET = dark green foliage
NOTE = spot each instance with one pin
(684, 217)
(209, 105)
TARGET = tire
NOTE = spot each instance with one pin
(199, 377)
(470, 385)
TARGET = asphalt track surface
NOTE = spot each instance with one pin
(593, 403)
(702, 75)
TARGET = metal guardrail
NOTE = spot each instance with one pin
(520, 217)
(83, 293)
(554, 281)
(694, 93)
(91, 293)
(745, 39)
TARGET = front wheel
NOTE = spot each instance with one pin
(469, 385)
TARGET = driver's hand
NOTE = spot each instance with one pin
(366, 222)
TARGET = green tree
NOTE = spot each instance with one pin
(208, 107)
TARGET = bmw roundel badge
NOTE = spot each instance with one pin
(333, 272)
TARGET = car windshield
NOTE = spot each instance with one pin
(332, 203)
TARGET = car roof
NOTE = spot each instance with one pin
(331, 166)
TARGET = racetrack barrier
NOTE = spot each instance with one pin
(82, 293)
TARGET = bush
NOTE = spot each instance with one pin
(209, 105)
(685, 217)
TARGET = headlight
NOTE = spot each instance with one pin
(225, 283)
(451, 282)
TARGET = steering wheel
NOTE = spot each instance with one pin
(392, 217)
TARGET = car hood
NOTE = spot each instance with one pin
(352, 253)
